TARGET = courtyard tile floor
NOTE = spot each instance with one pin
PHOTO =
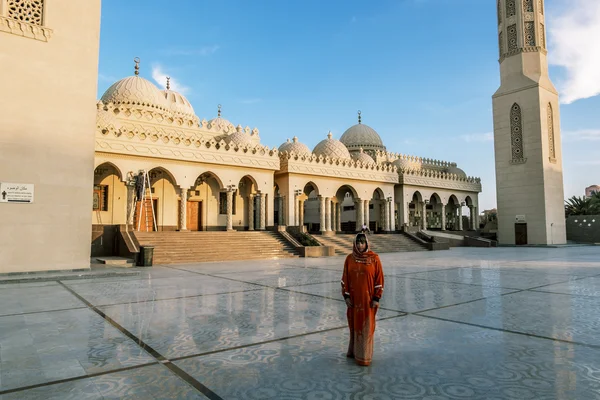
(488, 324)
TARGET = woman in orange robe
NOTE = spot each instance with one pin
(362, 287)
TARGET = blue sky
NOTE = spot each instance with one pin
(421, 71)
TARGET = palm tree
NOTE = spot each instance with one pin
(583, 205)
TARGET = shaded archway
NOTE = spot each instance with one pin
(415, 210)
(109, 205)
(347, 204)
(310, 207)
(451, 211)
(434, 212)
(205, 203)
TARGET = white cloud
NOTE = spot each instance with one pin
(574, 32)
(160, 77)
(581, 135)
(478, 137)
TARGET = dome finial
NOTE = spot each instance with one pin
(219, 111)
(168, 83)
(359, 119)
(362, 150)
(329, 135)
(137, 60)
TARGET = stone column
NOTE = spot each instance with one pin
(424, 216)
(280, 210)
(392, 207)
(474, 218)
(386, 216)
(360, 215)
(251, 212)
(229, 210)
(183, 210)
(328, 214)
(407, 214)
(443, 217)
(460, 224)
(366, 211)
(296, 211)
(130, 205)
(322, 222)
(301, 213)
(338, 226)
(263, 214)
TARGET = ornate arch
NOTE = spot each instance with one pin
(97, 169)
(516, 135)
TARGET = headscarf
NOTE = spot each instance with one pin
(365, 256)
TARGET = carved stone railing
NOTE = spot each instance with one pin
(312, 164)
(439, 179)
(425, 161)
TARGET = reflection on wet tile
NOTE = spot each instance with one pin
(288, 277)
(581, 287)
(27, 299)
(194, 325)
(491, 277)
(558, 316)
(415, 358)
(156, 289)
(43, 347)
(412, 295)
(152, 382)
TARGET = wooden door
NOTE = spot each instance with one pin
(520, 234)
(145, 221)
(194, 215)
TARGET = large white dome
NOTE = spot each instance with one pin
(361, 135)
(134, 90)
(331, 148)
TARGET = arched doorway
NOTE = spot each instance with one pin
(415, 210)
(347, 204)
(248, 204)
(109, 206)
(205, 203)
(434, 212)
(310, 208)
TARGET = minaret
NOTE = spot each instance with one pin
(529, 178)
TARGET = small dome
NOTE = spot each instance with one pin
(178, 104)
(220, 123)
(453, 169)
(407, 164)
(363, 157)
(298, 148)
(284, 146)
(331, 148)
(361, 135)
(135, 90)
(239, 138)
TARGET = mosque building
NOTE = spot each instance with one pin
(215, 175)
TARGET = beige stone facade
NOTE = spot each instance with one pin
(49, 58)
(527, 141)
(213, 175)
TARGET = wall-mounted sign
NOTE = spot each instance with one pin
(16, 192)
(520, 219)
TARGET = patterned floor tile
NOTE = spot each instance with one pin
(195, 325)
(143, 290)
(152, 382)
(27, 299)
(493, 277)
(558, 316)
(414, 358)
(412, 295)
(43, 347)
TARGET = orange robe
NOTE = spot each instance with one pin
(363, 282)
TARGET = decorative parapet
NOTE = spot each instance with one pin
(22, 28)
(312, 164)
(439, 179)
(391, 157)
(122, 136)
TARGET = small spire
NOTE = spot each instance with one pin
(219, 111)
(168, 83)
(361, 150)
(329, 135)
(288, 140)
(137, 65)
(359, 119)
(295, 139)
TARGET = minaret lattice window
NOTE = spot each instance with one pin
(528, 5)
(516, 133)
(511, 8)
(30, 11)
(552, 148)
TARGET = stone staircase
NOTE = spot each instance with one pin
(378, 243)
(190, 247)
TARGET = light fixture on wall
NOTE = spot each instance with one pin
(426, 201)
(297, 192)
